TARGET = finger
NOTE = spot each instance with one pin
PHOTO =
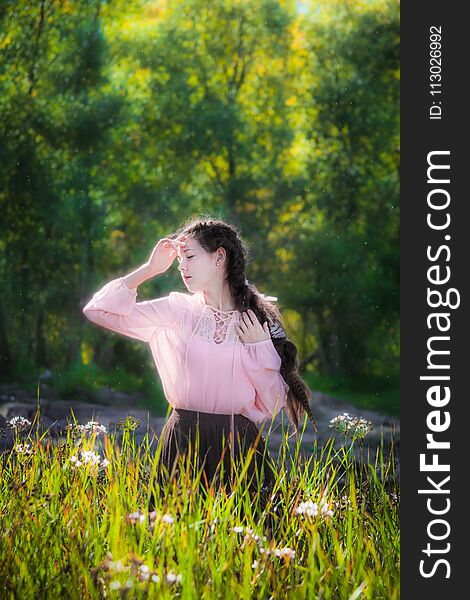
(246, 319)
(240, 327)
(252, 316)
(239, 331)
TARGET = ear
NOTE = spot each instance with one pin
(221, 253)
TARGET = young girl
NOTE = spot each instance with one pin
(220, 350)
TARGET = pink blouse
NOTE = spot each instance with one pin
(202, 363)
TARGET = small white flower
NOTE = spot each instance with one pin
(18, 423)
(171, 577)
(238, 529)
(117, 566)
(129, 584)
(155, 578)
(23, 449)
(308, 508)
(144, 569)
(167, 518)
(255, 564)
(94, 427)
(136, 517)
(115, 585)
(354, 427)
(286, 551)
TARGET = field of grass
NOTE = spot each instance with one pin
(74, 523)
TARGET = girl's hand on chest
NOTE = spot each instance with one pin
(250, 330)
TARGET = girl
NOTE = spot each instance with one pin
(220, 350)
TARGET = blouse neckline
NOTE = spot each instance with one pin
(204, 303)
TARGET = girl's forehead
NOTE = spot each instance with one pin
(190, 245)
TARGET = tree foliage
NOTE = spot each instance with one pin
(119, 120)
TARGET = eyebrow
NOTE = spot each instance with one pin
(187, 249)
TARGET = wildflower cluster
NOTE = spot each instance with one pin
(19, 423)
(343, 503)
(23, 449)
(135, 517)
(351, 426)
(123, 575)
(314, 509)
(285, 552)
(88, 458)
(139, 517)
(89, 428)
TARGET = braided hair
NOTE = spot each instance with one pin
(215, 233)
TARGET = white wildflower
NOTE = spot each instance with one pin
(23, 449)
(238, 529)
(155, 578)
(19, 423)
(117, 567)
(255, 564)
(351, 426)
(308, 508)
(325, 511)
(144, 573)
(167, 518)
(171, 577)
(88, 458)
(94, 427)
(284, 552)
(115, 585)
(136, 517)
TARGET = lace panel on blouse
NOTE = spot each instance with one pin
(216, 326)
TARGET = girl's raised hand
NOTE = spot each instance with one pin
(163, 255)
(250, 329)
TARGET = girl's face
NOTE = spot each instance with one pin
(196, 265)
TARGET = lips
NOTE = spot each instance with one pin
(186, 277)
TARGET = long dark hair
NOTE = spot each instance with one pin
(215, 233)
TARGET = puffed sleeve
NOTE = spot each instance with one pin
(114, 307)
(261, 363)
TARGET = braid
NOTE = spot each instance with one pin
(214, 233)
(287, 350)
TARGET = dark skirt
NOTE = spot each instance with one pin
(206, 438)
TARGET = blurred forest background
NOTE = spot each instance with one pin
(121, 119)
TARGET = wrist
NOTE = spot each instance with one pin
(134, 279)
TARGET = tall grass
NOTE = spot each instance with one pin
(329, 529)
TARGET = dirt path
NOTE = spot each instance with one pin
(55, 414)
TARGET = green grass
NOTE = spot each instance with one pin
(375, 393)
(82, 382)
(66, 533)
